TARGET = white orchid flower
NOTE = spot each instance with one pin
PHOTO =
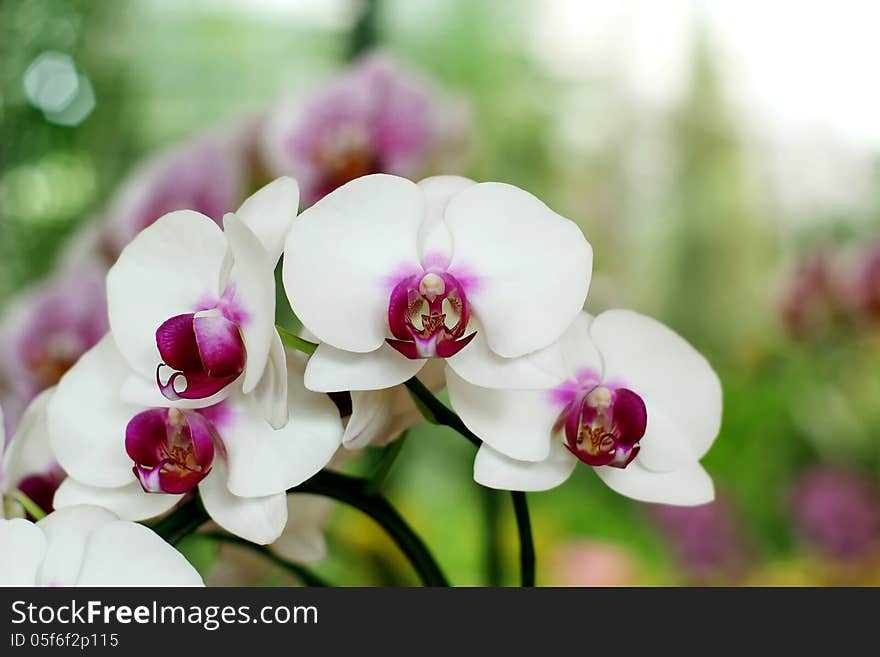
(88, 546)
(139, 459)
(28, 465)
(638, 403)
(387, 274)
(192, 307)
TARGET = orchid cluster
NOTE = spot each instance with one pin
(149, 382)
(194, 396)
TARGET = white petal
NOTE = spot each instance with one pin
(370, 415)
(343, 256)
(257, 519)
(24, 547)
(127, 554)
(270, 212)
(665, 447)
(264, 461)
(271, 391)
(302, 541)
(67, 531)
(530, 268)
(167, 270)
(28, 452)
(517, 423)
(129, 502)
(253, 276)
(495, 470)
(334, 370)
(2, 428)
(87, 419)
(687, 486)
(404, 412)
(577, 348)
(435, 240)
(667, 372)
(481, 366)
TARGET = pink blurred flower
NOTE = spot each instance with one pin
(837, 511)
(205, 175)
(45, 331)
(812, 295)
(376, 118)
(706, 540)
(866, 284)
(591, 563)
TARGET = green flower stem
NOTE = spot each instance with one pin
(303, 574)
(351, 491)
(437, 412)
(185, 519)
(440, 414)
(526, 546)
(389, 457)
(190, 515)
(293, 341)
(491, 499)
(28, 504)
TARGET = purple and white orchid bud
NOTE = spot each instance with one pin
(193, 307)
(173, 450)
(633, 400)
(377, 118)
(205, 349)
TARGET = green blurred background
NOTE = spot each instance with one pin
(700, 179)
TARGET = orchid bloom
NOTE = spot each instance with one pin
(88, 546)
(192, 307)
(28, 464)
(480, 275)
(377, 118)
(139, 457)
(637, 403)
(45, 331)
(205, 175)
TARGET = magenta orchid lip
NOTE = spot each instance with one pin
(205, 350)
(173, 450)
(428, 315)
(603, 425)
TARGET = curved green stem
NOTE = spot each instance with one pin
(351, 491)
(27, 504)
(303, 574)
(491, 500)
(437, 412)
(526, 546)
(292, 340)
(184, 520)
(191, 515)
(389, 457)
